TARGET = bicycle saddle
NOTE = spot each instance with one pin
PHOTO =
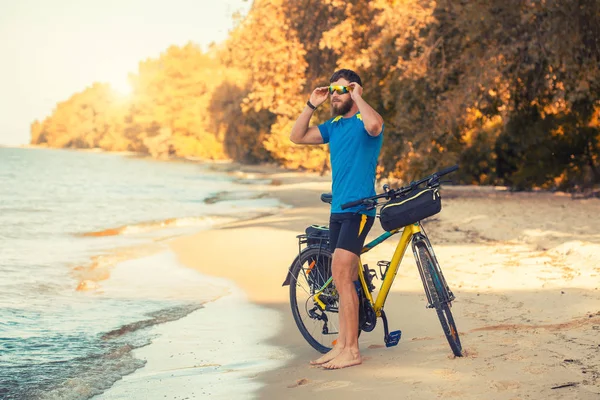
(326, 197)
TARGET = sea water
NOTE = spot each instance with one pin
(72, 312)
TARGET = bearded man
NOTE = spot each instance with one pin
(354, 134)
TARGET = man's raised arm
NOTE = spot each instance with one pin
(301, 132)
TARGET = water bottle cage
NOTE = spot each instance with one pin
(383, 267)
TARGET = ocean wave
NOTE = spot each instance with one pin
(87, 376)
(93, 375)
(233, 196)
(144, 227)
(159, 317)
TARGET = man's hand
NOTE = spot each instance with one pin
(319, 95)
(371, 118)
(355, 90)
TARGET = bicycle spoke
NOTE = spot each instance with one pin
(305, 288)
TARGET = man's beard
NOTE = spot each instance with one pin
(341, 108)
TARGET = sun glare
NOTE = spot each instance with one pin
(121, 86)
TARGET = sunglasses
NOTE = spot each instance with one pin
(339, 89)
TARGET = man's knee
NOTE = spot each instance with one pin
(344, 265)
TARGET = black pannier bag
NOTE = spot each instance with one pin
(414, 206)
(317, 235)
(320, 265)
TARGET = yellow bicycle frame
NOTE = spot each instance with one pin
(407, 234)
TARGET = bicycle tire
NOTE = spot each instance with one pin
(442, 307)
(300, 311)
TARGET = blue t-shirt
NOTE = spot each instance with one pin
(354, 155)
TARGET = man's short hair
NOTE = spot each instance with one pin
(347, 74)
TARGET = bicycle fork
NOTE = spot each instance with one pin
(444, 294)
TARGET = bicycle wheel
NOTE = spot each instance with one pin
(320, 327)
(439, 299)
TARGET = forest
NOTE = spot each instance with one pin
(507, 89)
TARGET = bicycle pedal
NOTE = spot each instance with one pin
(393, 338)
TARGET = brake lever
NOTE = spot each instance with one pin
(433, 180)
(371, 204)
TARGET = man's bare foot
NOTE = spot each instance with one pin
(346, 358)
(333, 353)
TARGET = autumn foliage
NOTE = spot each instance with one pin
(507, 89)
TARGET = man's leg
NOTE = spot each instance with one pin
(347, 235)
(345, 272)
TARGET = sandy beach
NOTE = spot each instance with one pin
(523, 267)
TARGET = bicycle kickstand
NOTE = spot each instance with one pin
(390, 338)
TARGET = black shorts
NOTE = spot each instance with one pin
(348, 231)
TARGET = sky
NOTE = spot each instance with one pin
(51, 49)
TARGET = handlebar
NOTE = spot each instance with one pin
(362, 201)
(352, 204)
(432, 180)
(446, 171)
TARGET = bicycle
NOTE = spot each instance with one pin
(311, 269)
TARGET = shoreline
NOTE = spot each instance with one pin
(249, 171)
(120, 300)
(181, 358)
(506, 259)
(162, 349)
